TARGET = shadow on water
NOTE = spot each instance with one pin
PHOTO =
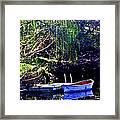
(77, 95)
(82, 95)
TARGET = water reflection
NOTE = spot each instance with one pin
(25, 95)
(76, 95)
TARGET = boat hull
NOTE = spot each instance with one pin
(44, 89)
(73, 88)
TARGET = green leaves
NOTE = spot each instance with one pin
(62, 31)
(24, 68)
(43, 40)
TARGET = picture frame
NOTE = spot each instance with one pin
(2, 61)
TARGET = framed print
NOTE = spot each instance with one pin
(60, 59)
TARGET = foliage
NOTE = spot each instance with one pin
(25, 67)
(44, 43)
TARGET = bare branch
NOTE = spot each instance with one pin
(33, 78)
(32, 53)
(36, 44)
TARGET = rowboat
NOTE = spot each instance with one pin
(44, 88)
(78, 86)
(65, 87)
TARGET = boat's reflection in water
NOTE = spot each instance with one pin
(56, 96)
(77, 95)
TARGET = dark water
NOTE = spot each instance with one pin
(83, 95)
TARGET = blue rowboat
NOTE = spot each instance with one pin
(78, 86)
(44, 88)
(76, 95)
